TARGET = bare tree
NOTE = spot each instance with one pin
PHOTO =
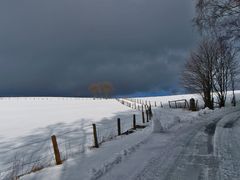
(220, 16)
(234, 72)
(199, 71)
(221, 19)
(211, 69)
(222, 66)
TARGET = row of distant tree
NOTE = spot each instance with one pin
(101, 89)
(212, 67)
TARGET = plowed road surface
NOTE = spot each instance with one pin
(204, 149)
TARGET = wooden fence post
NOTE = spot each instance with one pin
(119, 126)
(96, 145)
(134, 121)
(150, 113)
(56, 150)
(143, 118)
(155, 104)
(147, 115)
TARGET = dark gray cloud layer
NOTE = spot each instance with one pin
(59, 47)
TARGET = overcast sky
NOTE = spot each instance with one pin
(60, 47)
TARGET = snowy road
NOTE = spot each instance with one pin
(189, 151)
(227, 146)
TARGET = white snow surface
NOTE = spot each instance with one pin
(184, 147)
(164, 99)
(27, 125)
(25, 116)
(99, 162)
(157, 126)
(187, 152)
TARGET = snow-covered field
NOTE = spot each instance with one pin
(23, 116)
(164, 99)
(95, 164)
(28, 123)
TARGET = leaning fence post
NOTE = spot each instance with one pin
(119, 126)
(56, 150)
(134, 121)
(96, 145)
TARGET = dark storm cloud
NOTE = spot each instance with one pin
(59, 47)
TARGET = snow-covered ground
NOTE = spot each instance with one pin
(186, 149)
(164, 99)
(23, 116)
(28, 123)
(99, 162)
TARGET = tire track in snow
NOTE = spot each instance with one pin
(227, 147)
(160, 167)
(187, 162)
(183, 154)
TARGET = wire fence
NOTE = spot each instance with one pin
(39, 154)
(26, 159)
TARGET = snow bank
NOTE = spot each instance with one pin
(205, 111)
(171, 117)
(97, 162)
(116, 159)
(156, 125)
(224, 125)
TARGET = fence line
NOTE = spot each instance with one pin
(32, 159)
(27, 159)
